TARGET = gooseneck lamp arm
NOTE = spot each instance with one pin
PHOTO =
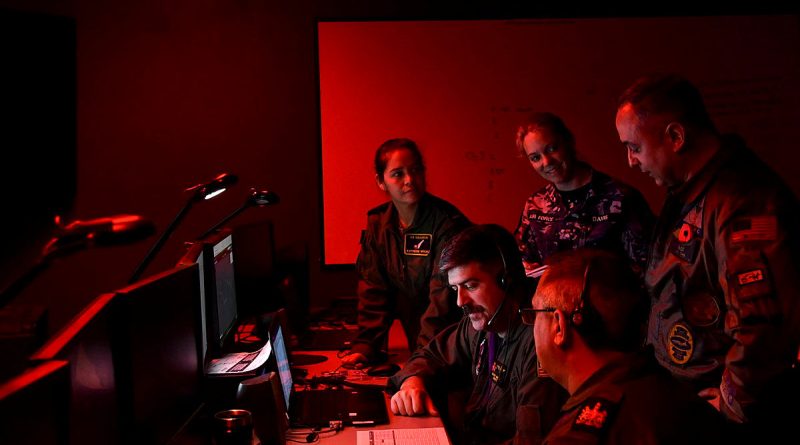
(151, 254)
(258, 198)
(200, 192)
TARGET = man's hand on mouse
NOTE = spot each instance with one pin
(354, 360)
(412, 399)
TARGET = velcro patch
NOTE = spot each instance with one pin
(756, 228)
(594, 415)
(417, 244)
(749, 277)
(499, 373)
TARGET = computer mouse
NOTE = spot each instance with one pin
(383, 370)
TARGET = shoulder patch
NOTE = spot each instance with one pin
(680, 343)
(594, 415)
(755, 228)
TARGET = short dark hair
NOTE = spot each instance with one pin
(667, 94)
(543, 119)
(382, 153)
(616, 305)
(488, 244)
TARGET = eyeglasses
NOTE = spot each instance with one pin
(529, 315)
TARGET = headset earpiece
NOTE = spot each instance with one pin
(577, 317)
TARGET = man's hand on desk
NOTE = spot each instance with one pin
(412, 399)
(355, 360)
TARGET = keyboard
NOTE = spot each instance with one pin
(411, 436)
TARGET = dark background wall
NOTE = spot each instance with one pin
(170, 93)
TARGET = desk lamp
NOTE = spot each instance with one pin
(199, 193)
(68, 238)
(258, 198)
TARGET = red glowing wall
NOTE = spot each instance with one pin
(460, 88)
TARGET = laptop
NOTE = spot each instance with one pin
(322, 407)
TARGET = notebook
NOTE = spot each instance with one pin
(318, 408)
(239, 363)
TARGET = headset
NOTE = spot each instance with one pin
(584, 317)
(503, 282)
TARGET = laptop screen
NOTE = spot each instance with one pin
(282, 360)
(225, 287)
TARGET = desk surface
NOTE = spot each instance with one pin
(348, 434)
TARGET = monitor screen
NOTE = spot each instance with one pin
(282, 362)
(224, 287)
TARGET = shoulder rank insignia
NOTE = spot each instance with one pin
(594, 415)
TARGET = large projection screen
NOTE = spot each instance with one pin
(460, 88)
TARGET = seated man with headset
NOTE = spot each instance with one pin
(588, 318)
(489, 353)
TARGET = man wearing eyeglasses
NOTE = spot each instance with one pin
(489, 354)
(588, 317)
(724, 267)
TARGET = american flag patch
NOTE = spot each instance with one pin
(757, 228)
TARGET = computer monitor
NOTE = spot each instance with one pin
(86, 344)
(220, 289)
(134, 360)
(157, 356)
(194, 255)
(35, 405)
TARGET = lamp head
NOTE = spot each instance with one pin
(214, 187)
(262, 198)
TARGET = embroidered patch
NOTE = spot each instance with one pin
(594, 415)
(753, 276)
(499, 373)
(685, 233)
(680, 343)
(757, 228)
(752, 279)
(685, 242)
(417, 244)
(600, 218)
